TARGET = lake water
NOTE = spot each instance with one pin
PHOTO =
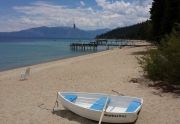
(20, 52)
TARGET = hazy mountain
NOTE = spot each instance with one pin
(55, 32)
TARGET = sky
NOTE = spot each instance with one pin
(16, 15)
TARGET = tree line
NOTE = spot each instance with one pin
(137, 31)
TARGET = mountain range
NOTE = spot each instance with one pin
(55, 32)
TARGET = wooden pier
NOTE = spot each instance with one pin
(83, 46)
(102, 42)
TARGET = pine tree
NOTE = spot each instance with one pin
(157, 15)
(171, 16)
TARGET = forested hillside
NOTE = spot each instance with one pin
(137, 31)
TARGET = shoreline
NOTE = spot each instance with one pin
(53, 60)
(44, 62)
(31, 100)
(58, 60)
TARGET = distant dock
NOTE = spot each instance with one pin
(83, 46)
(101, 42)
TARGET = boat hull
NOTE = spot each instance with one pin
(110, 117)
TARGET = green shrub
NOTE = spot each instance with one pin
(163, 63)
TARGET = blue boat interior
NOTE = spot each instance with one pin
(99, 105)
(70, 98)
(133, 106)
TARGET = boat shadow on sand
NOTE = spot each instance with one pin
(74, 117)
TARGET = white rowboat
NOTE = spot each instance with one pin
(119, 109)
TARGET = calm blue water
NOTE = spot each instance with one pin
(20, 52)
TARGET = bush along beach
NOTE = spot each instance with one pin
(163, 63)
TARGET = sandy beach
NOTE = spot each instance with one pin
(31, 101)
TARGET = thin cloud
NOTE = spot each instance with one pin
(82, 3)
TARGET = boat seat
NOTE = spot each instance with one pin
(70, 98)
(98, 105)
(133, 106)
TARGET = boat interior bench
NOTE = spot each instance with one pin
(70, 98)
(99, 105)
(133, 106)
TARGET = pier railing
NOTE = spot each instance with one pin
(83, 46)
